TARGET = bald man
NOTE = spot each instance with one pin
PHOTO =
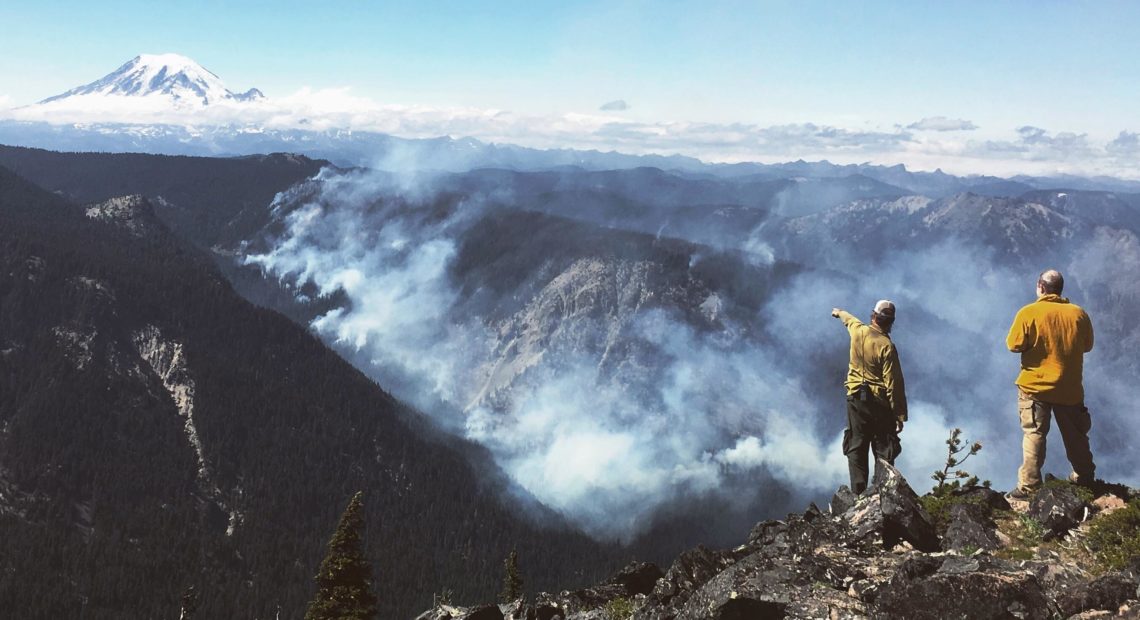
(1052, 335)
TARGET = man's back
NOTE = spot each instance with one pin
(1052, 336)
(873, 361)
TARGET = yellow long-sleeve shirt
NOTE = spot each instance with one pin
(1052, 335)
(875, 362)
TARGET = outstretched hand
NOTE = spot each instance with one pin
(835, 312)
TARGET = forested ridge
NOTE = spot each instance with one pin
(103, 509)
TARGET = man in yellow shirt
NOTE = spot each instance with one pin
(1052, 335)
(876, 396)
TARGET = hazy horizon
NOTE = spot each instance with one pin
(1017, 88)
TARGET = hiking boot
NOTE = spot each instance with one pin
(1019, 494)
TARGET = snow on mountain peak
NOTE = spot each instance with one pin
(170, 76)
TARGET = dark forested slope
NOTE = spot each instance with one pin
(158, 432)
(210, 200)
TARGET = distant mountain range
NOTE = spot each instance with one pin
(188, 110)
(647, 351)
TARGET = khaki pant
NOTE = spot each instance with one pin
(1074, 422)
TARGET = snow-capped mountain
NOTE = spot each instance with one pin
(160, 76)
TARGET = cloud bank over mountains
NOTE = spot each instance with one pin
(953, 144)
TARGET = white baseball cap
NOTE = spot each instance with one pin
(885, 307)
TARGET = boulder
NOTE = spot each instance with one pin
(637, 578)
(518, 610)
(447, 612)
(842, 501)
(1106, 593)
(1108, 504)
(439, 612)
(812, 513)
(984, 496)
(976, 588)
(766, 532)
(1058, 509)
(866, 590)
(690, 571)
(483, 612)
(588, 599)
(747, 609)
(970, 528)
(546, 608)
(777, 585)
(891, 513)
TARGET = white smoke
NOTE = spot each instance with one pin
(719, 406)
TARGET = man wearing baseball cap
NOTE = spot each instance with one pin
(876, 396)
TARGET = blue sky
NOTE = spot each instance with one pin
(860, 66)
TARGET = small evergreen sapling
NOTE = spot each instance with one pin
(953, 472)
(344, 580)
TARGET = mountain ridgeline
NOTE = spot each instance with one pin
(646, 352)
(158, 432)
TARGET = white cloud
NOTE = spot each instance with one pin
(1127, 143)
(933, 142)
(941, 123)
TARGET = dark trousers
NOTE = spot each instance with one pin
(870, 424)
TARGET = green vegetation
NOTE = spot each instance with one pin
(512, 581)
(951, 479)
(1086, 494)
(1115, 538)
(344, 581)
(620, 609)
(1025, 535)
(938, 505)
(952, 470)
(1032, 531)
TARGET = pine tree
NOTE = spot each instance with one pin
(512, 581)
(344, 580)
(954, 447)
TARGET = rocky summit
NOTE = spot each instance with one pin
(966, 552)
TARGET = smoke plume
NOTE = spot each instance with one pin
(678, 400)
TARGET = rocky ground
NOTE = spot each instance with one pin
(1069, 552)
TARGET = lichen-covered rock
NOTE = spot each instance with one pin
(448, 612)
(761, 586)
(1059, 509)
(588, 599)
(689, 571)
(826, 565)
(970, 528)
(546, 608)
(766, 532)
(984, 496)
(890, 512)
(967, 588)
(1106, 593)
(518, 610)
(483, 612)
(637, 578)
(842, 501)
